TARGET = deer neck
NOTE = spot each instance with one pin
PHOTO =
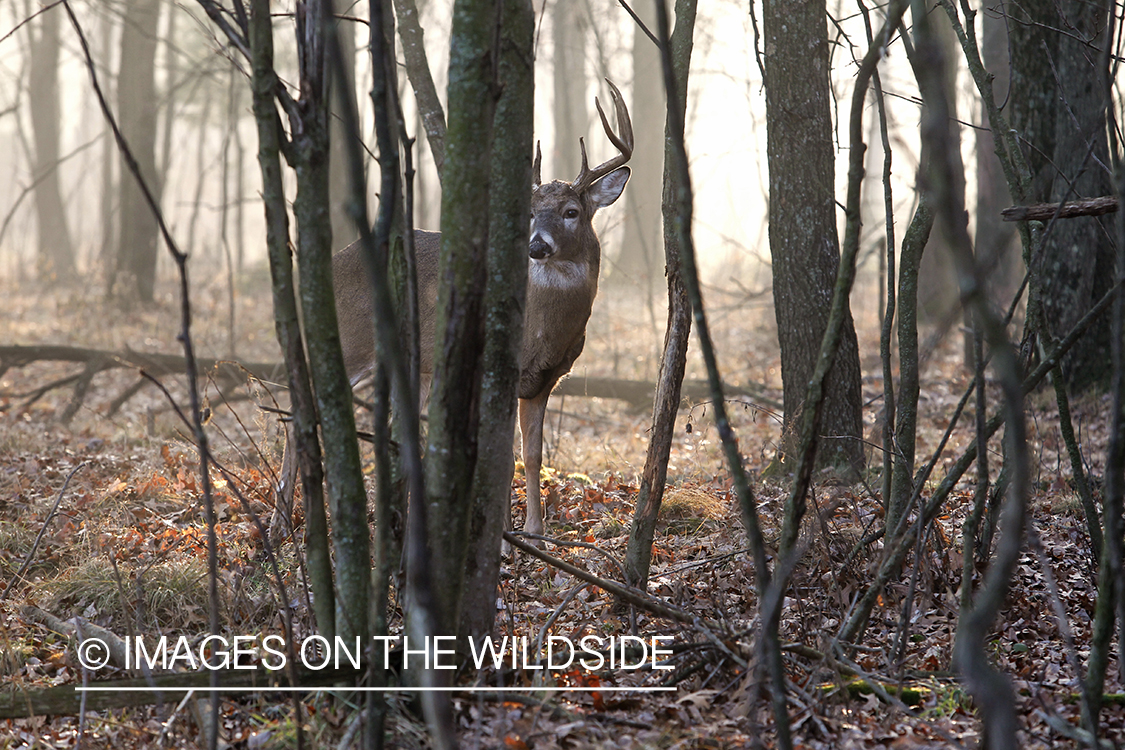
(560, 295)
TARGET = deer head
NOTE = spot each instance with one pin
(562, 212)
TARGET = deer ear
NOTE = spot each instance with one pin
(609, 188)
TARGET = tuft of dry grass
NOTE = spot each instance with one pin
(682, 503)
(169, 594)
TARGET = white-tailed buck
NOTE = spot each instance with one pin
(562, 282)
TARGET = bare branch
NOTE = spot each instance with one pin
(1107, 204)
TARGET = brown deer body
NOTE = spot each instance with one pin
(562, 281)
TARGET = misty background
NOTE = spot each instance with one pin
(204, 141)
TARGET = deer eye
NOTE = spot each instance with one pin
(571, 213)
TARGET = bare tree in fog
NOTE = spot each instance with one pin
(638, 262)
(994, 239)
(134, 274)
(939, 301)
(569, 23)
(343, 227)
(55, 257)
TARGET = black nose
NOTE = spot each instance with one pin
(538, 249)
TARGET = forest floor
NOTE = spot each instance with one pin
(126, 551)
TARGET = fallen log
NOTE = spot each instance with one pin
(153, 363)
(225, 372)
(69, 700)
(637, 393)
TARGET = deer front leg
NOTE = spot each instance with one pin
(532, 412)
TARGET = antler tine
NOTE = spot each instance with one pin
(623, 143)
(536, 179)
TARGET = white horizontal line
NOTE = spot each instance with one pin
(290, 689)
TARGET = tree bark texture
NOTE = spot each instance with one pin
(136, 112)
(454, 413)
(906, 416)
(510, 204)
(1059, 85)
(347, 497)
(804, 244)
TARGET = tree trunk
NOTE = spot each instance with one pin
(804, 244)
(172, 87)
(346, 494)
(677, 334)
(56, 254)
(994, 237)
(1059, 107)
(421, 79)
(107, 259)
(135, 277)
(569, 72)
(504, 305)
(639, 259)
(343, 227)
(906, 415)
(939, 298)
(306, 446)
(454, 413)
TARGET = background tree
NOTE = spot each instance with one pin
(135, 269)
(343, 227)
(568, 73)
(107, 249)
(994, 238)
(804, 244)
(638, 261)
(55, 254)
(939, 299)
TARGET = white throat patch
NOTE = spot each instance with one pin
(550, 273)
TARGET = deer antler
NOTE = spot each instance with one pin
(624, 143)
